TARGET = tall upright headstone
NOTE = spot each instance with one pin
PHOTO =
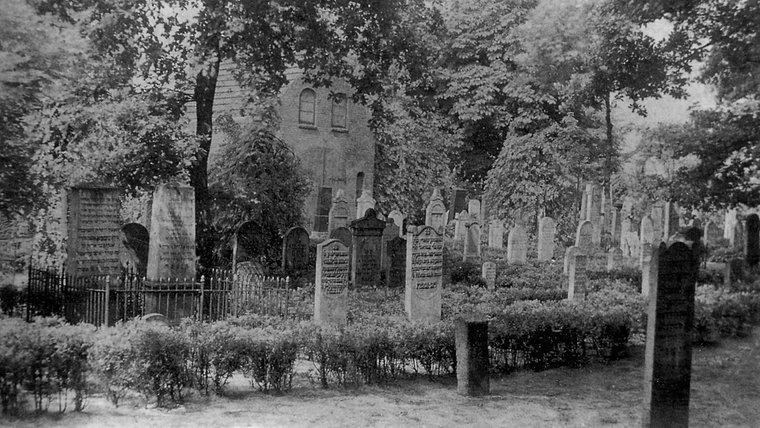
(458, 202)
(435, 213)
(570, 253)
(672, 220)
(367, 246)
(424, 273)
(295, 251)
(389, 232)
(473, 208)
(576, 276)
(713, 234)
(489, 274)
(614, 259)
(615, 225)
(460, 226)
(343, 234)
(546, 229)
(398, 219)
(135, 244)
(364, 202)
(584, 237)
(517, 245)
(670, 321)
(331, 286)
(658, 222)
(496, 234)
(739, 236)
(472, 241)
(395, 269)
(339, 214)
(172, 233)
(94, 231)
(648, 264)
(729, 224)
(471, 339)
(752, 240)
(647, 231)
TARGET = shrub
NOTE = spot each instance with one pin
(10, 297)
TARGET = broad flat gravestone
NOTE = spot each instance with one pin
(396, 267)
(458, 202)
(546, 229)
(390, 232)
(366, 251)
(614, 259)
(584, 237)
(670, 320)
(295, 250)
(94, 232)
(472, 242)
(570, 252)
(135, 242)
(331, 287)
(460, 226)
(398, 219)
(435, 213)
(471, 339)
(424, 273)
(172, 234)
(339, 213)
(517, 245)
(496, 234)
(576, 276)
(363, 203)
(489, 274)
(752, 241)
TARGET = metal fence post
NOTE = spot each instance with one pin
(107, 300)
(200, 309)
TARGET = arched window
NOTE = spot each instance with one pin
(307, 106)
(359, 184)
(339, 111)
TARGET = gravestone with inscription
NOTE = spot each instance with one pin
(331, 286)
(390, 232)
(546, 229)
(584, 237)
(395, 269)
(94, 232)
(576, 276)
(435, 213)
(472, 242)
(135, 240)
(496, 234)
(295, 251)
(670, 321)
(752, 241)
(460, 226)
(424, 273)
(489, 274)
(339, 214)
(458, 202)
(398, 219)
(614, 259)
(364, 202)
(172, 234)
(570, 253)
(366, 252)
(517, 245)
(713, 234)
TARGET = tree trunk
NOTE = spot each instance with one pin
(610, 142)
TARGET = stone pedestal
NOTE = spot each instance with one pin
(471, 338)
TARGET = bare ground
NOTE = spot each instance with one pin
(725, 393)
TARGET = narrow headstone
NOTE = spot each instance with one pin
(670, 320)
(295, 251)
(94, 232)
(473, 208)
(648, 264)
(658, 222)
(672, 220)
(135, 240)
(339, 214)
(752, 241)
(366, 251)
(614, 259)
(739, 236)
(729, 224)
(584, 237)
(576, 276)
(647, 232)
(472, 242)
(364, 202)
(713, 234)
(435, 213)
(424, 274)
(489, 274)
(458, 202)
(398, 219)
(570, 253)
(517, 245)
(496, 234)
(460, 226)
(172, 234)
(331, 286)
(396, 267)
(471, 339)
(546, 230)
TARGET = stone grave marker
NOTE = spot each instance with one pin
(458, 202)
(389, 232)
(496, 234)
(343, 234)
(471, 339)
(648, 264)
(424, 273)
(135, 240)
(472, 242)
(614, 259)
(517, 245)
(435, 213)
(570, 252)
(576, 276)
(398, 219)
(364, 202)
(584, 237)
(752, 241)
(730, 219)
(396, 267)
(331, 286)
(647, 231)
(295, 251)
(460, 226)
(246, 242)
(670, 321)
(713, 234)
(658, 222)
(739, 236)
(546, 230)
(366, 251)
(671, 219)
(172, 234)
(489, 274)
(339, 214)
(94, 232)
(473, 208)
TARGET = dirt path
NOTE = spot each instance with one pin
(725, 393)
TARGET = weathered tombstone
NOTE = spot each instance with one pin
(489, 274)
(672, 220)
(458, 202)
(496, 234)
(364, 202)
(752, 241)
(331, 287)
(395, 270)
(424, 273)
(472, 242)
(517, 245)
(713, 234)
(435, 213)
(389, 232)
(135, 240)
(471, 339)
(398, 219)
(739, 235)
(460, 226)
(670, 320)
(367, 246)
(94, 234)
(576, 276)
(343, 234)
(172, 234)
(339, 213)
(295, 251)
(570, 252)
(546, 230)
(473, 208)
(584, 237)
(658, 222)
(614, 259)
(648, 264)
(647, 232)
(729, 224)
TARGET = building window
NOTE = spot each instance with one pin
(359, 184)
(307, 107)
(322, 214)
(339, 111)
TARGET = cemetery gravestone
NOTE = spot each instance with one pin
(738, 243)
(331, 287)
(752, 241)
(363, 203)
(658, 222)
(472, 242)
(713, 234)
(473, 208)
(338, 216)
(94, 233)
(614, 259)
(396, 266)
(570, 253)
(576, 276)
(172, 234)
(729, 224)
(584, 237)
(367, 246)
(295, 251)
(460, 227)
(398, 219)
(672, 220)
(489, 274)
(435, 213)
(424, 272)
(471, 339)
(670, 320)
(390, 232)
(648, 264)
(496, 234)
(458, 202)
(517, 245)
(546, 230)
(343, 234)
(647, 231)
(135, 242)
